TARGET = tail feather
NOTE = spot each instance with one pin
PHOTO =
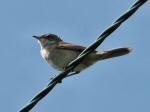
(113, 53)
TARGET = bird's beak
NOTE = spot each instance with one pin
(36, 37)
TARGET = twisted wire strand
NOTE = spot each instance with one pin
(79, 59)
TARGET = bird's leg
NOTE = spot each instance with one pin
(72, 72)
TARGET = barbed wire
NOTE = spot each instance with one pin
(86, 52)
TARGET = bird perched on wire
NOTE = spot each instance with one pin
(59, 53)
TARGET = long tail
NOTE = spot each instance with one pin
(113, 53)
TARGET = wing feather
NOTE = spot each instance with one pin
(69, 46)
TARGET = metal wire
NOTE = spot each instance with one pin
(79, 59)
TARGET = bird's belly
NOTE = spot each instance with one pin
(59, 59)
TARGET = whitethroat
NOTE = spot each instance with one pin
(59, 53)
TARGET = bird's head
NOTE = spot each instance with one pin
(47, 39)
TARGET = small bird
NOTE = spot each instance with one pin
(59, 53)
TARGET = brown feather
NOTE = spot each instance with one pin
(69, 46)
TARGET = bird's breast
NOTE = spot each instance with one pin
(45, 53)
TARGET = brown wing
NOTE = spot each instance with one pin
(68, 46)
